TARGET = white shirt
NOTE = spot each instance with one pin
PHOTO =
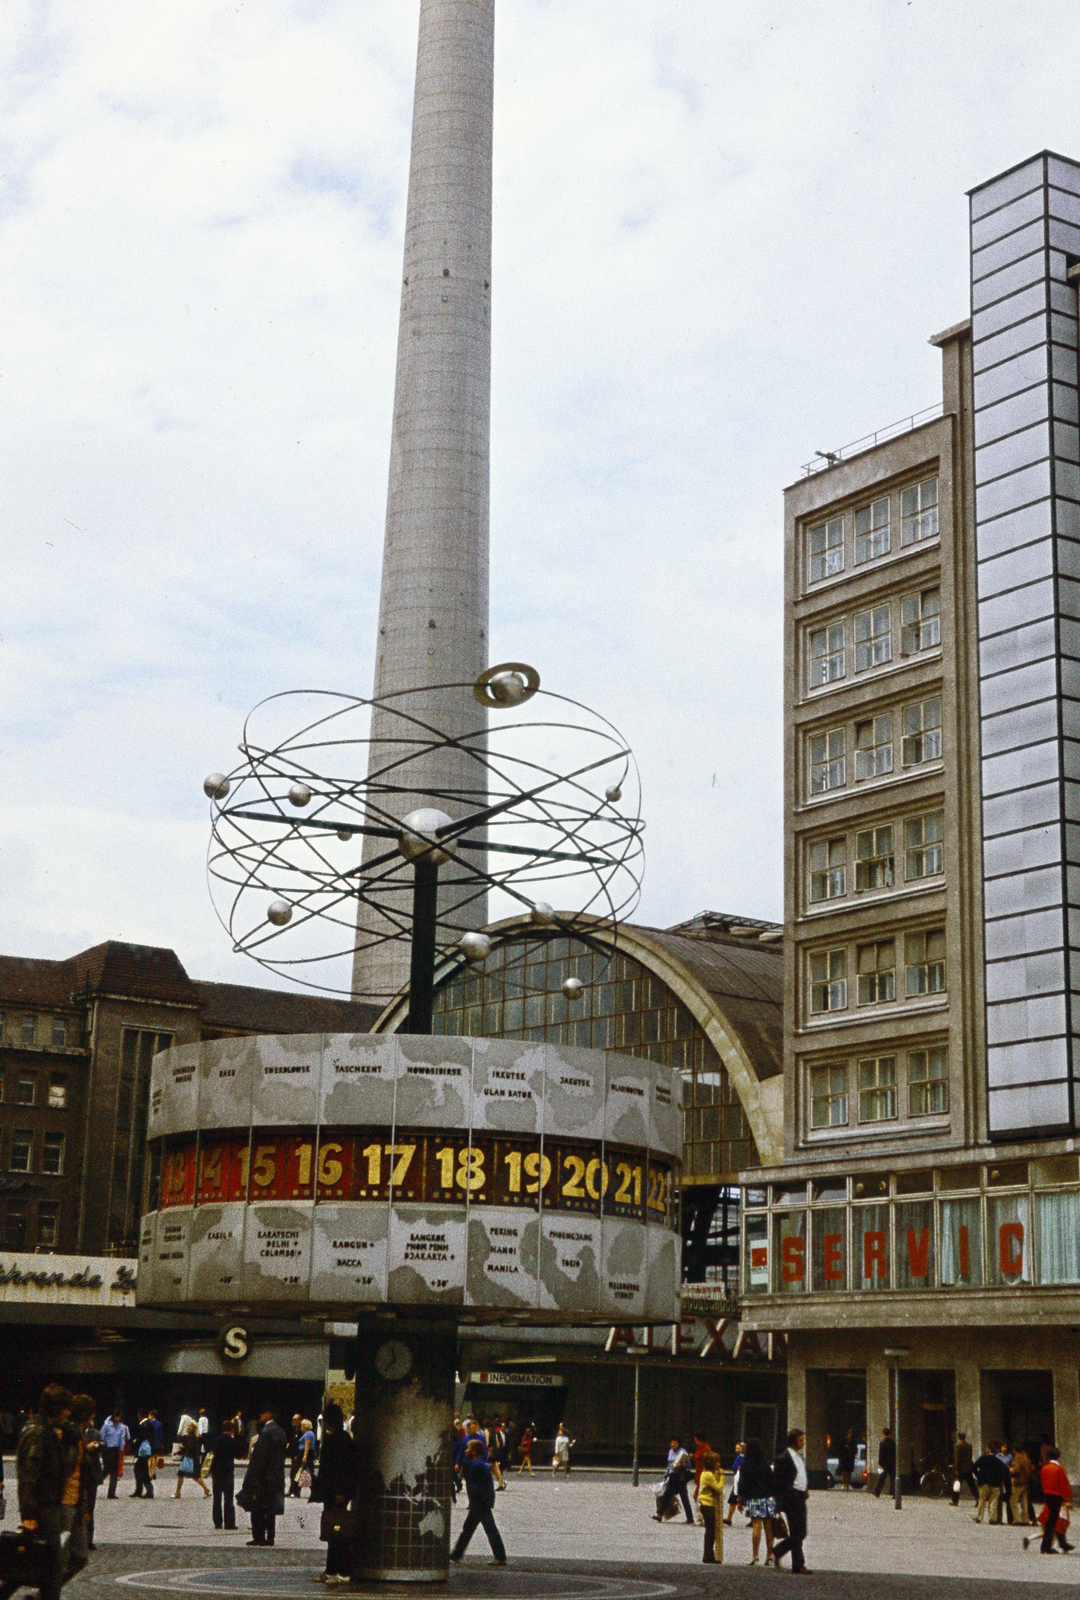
(562, 1444)
(204, 1425)
(800, 1471)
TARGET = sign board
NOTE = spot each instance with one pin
(27, 1279)
(519, 1380)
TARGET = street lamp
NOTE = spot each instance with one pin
(894, 1352)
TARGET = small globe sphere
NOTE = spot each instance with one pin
(613, 794)
(419, 835)
(508, 688)
(542, 914)
(299, 795)
(279, 913)
(573, 988)
(216, 786)
(475, 946)
(344, 835)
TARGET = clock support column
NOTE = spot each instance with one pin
(404, 1434)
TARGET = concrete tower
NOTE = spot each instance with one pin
(433, 613)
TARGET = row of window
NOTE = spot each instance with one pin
(19, 1230)
(21, 1152)
(871, 530)
(30, 1029)
(878, 1088)
(875, 971)
(873, 740)
(923, 856)
(27, 1088)
(872, 634)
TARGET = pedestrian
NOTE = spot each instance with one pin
(335, 1485)
(114, 1441)
(789, 1476)
(203, 1425)
(224, 1449)
(191, 1454)
(143, 1451)
(305, 1458)
(990, 1476)
(680, 1469)
(525, 1445)
(710, 1492)
(1005, 1456)
(262, 1493)
(1054, 1515)
(963, 1458)
(498, 1453)
(701, 1450)
(295, 1429)
(186, 1422)
(733, 1497)
(886, 1461)
(82, 1414)
(1020, 1476)
(157, 1445)
(46, 1457)
(480, 1489)
(757, 1496)
(846, 1458)
(561, 1456)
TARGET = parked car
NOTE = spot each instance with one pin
(858, 1477)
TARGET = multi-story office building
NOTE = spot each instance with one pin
(927, 1214)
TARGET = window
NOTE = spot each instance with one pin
(15, 1225)
(826, 546)
(919, 512)
(920, 622)
(922, 732)
(29, 1029)
(26, 1090)
(928, 1082)
(828, 869)
(828, 768)
(828, 1097)
(48, 1222)
(59, 1032)
(877, 972)
(52, 1154)
(58, 1091)
(22, 1150)
(872, 531)
(925, 956)
(922, 842)
(828, 980)
(877, 1089)
(826, 654)
(873, 747)
(874, 859)
(873, 638)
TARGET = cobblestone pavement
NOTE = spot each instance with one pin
(595, 1522)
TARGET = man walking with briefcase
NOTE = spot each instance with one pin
(335, 1485)
(262, 1492)
(46, 1460)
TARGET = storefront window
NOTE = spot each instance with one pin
(1057, 1219)
(829, 1250)
(961, 1244)
(915, 1245)
(870, 1247)
(757, 1255)
(789, 1253)
(1009, 1239)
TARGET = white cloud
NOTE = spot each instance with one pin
(723, 235)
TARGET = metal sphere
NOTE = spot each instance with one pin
(508, 688)
(475, 946)
(573, 988)
(613, 794)
(419, 832)
(279, 912)
(299, 795)
(216, 786)
(542, 914)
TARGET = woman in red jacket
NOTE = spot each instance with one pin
(1058, 1492)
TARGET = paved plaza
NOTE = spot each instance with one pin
(588, 1537)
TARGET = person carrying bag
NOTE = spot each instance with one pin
(335, 1485)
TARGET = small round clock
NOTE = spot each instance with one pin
(393, 1360)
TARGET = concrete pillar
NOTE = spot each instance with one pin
(878, 1409)
(969, 1418)
(796, 1388)
(814, 1425)
(433, 613)
(404, 1435)
(1067, 1411)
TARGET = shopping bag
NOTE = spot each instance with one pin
(304, 1478)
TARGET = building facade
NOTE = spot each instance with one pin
(927, 1214)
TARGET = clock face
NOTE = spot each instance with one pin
(393, 1360)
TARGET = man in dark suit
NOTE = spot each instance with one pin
(224, 1448)
(480, 1488)
(886, 1461)
(262, 1493)
(789, 1478)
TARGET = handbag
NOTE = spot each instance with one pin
(337, 1522)
(144, 1449)
(26, 1561)
(304, 1478)
(779, 1525)
(208, 1462)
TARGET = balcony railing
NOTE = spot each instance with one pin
(832, 458)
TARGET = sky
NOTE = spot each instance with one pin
(723, 234)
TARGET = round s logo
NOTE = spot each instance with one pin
(234, 1343)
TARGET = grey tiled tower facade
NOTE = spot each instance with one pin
(433, 616)
(1025, 238)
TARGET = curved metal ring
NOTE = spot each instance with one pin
(530, 674)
